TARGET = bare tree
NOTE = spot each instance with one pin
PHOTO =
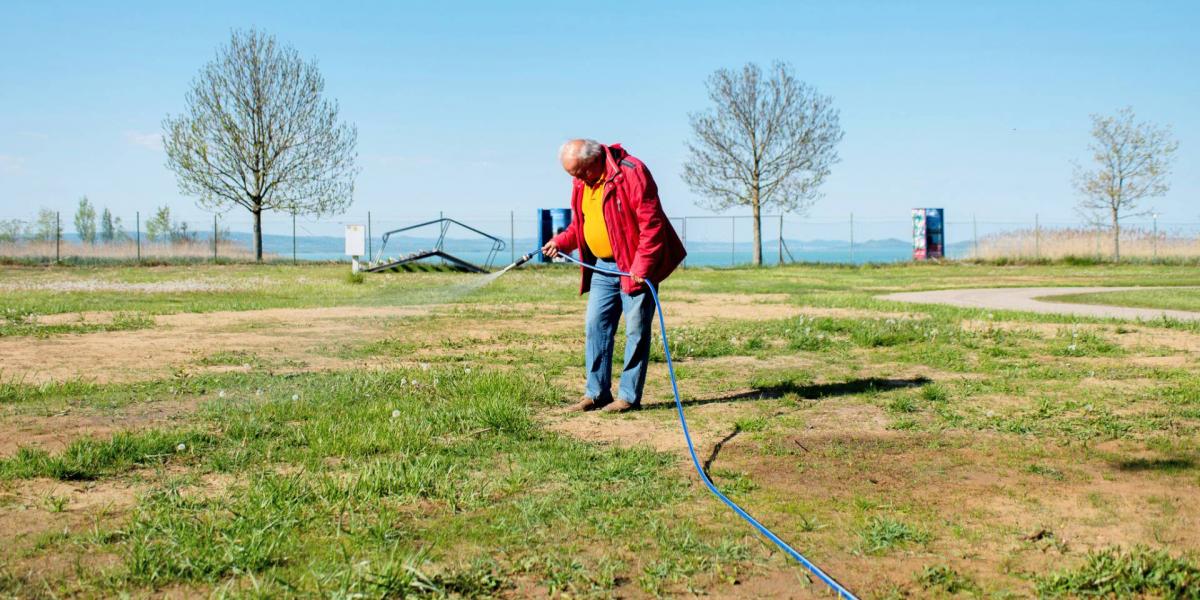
(1132, 160)
(257, 133)
(766, 142)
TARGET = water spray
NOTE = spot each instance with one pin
(841, 590)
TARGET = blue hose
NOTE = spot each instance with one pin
(662, 326)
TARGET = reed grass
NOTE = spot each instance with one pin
(192, 249)
(1056, 244)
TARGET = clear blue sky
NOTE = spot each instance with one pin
(460, 107)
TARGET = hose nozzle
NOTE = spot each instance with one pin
(524, 259)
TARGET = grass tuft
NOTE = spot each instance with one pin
(1114, 572)
(89, 458)
(945, 579)
(883, 534)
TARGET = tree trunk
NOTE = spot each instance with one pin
(755, 208)
(1116, 227)
(257, 235)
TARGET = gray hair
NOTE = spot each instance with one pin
(581, 149)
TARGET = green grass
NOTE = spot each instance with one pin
(425, 475)
(946, 579)
(1118, 573)
(1170, 299)
(89, 458)
(882, 534)
(25, 323)
(442, 481)
(248, 287)
(207, 288)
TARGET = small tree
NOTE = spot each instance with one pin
(1132, 160)
(12, 230)
(85, 221)
(108, 232)
(158, 227)
(257, 133)
(119, 233)
(766, 142)
(47, 228)
(179, 233)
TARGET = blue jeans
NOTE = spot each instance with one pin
(606, 303)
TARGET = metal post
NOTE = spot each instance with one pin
(512, 234)
(137, 220)
(1037, 237)
(293, 237)
(852, 238)
(57, 237)
(685, 240)
(732, 241)
(214, 238)
(370, 249)
(1155, 236)
(975, 235)
(780, 238)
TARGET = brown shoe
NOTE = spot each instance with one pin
(585, 404)
(618, 406)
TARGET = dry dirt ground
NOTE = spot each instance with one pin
(306, 339)
(294, 338)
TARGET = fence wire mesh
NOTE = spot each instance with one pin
(711, 240)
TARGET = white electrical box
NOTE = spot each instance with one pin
(356, 240)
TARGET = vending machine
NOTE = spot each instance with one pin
(929, 240)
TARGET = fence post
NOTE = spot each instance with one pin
(370, 249)
(685, 240)
(1155, 215)
(780, 238)
(293, 237)
(57, 237)
(512, 235)
(852, 238)
(974, 234)
(214, 238)
(137, 228)
(732, 240)
(1037, 237)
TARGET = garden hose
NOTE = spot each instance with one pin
(662, 326)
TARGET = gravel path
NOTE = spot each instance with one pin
(1026, 299)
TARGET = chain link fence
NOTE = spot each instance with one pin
(712, 240)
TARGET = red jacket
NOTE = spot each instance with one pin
(643, 241)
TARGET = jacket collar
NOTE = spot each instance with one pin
(612, 161)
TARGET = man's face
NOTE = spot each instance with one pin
(587, 172)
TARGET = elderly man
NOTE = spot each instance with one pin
(618, 223)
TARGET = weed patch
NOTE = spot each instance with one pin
(1114, 572)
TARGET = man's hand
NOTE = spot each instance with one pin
(636, 279)
(550, 250)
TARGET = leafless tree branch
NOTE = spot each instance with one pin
(766, 142)
(257, 133)
(1133, 160)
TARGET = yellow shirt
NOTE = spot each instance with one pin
(594, 231)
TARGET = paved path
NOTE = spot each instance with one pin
(1026, 299)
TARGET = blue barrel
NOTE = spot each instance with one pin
(551, 222)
